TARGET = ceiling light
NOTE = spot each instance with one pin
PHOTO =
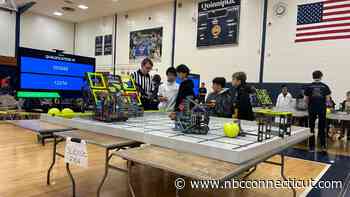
(115, 0)
(58, 13)
(83, 7)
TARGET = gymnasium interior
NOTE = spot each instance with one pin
(185, 98)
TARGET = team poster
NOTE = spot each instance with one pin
(146, 43)
(218, 22)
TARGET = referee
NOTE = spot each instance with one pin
(143, 82)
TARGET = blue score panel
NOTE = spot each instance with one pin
(50, 82)
(53, 67)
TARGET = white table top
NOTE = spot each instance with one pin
(157, 129)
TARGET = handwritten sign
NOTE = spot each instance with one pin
(76, 153)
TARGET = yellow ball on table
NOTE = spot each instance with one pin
(231, 130)
(54, 112)
(68, 113)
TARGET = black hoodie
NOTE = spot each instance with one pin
(185, 90)
(242, 102)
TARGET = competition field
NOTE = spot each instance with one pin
(158, 129)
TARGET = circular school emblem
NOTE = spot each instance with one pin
(216, 31)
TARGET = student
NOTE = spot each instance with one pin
(186, 86)
(202, 93)
(345, 106)
(5, 86)
(5, 82)
(300, 101)
(331, 103)
(220, 101)
(253, 97)
(284, 99)
(242, 105)
(168, 91)
(317, 95)
(301, 105)
(154, 100)
(156, 82)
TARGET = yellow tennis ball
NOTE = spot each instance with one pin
(231, 130)
(68, 113)
(54, 112)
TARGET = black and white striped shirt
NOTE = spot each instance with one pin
(143, 81)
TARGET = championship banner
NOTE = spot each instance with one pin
(218, 22)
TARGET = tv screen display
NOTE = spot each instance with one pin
(196, 81)
(50, 71)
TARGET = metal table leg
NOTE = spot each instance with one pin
(54, 153)
(71, 178)
(282, 165)
(108, 157)
(108, 166)
(283, 175)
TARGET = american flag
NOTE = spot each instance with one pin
(326, 20)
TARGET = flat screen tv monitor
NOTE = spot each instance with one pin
(50, 71)
(196, 81)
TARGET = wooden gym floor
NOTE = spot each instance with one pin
(24, 164)
(335, 147)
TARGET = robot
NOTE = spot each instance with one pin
(193, 120)
(110, 105)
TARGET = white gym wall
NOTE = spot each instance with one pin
(161, 16)
(294, 62)
(7, 33)
(37, 31)
(45, 33)
(86, 33)
(153, 17)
